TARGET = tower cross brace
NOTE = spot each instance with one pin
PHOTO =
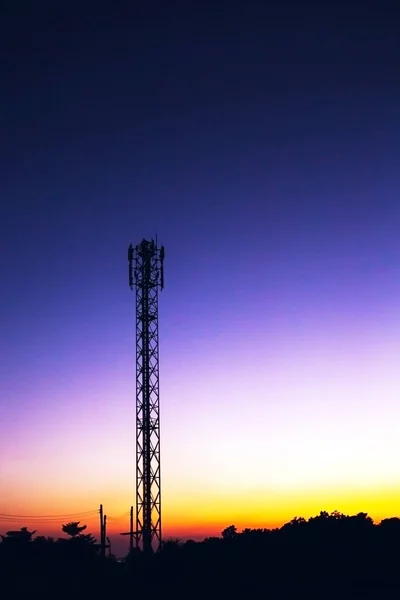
(146, 274)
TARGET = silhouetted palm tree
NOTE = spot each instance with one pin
(72, 529)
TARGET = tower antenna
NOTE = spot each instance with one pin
(146, 274)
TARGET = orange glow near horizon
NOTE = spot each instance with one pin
(188, 517)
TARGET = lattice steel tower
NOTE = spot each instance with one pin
(146, 273)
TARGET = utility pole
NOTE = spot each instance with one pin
(103, 546)
(146, 274)
(131, 532)
(131, 528)
(101, 512)
(103, 526)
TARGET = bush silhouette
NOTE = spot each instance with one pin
(328, 555)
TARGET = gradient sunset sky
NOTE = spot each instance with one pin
(261, 144)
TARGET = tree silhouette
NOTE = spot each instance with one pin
(390, 524)
(42, 539)
(171, 545)
(348, 554)
(22, 535)
(295, 522)
(229, 532)
(73, 530)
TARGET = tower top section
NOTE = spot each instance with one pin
(146, 264)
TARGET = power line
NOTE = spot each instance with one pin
(118, 517)
(39, 521)
(50, 517)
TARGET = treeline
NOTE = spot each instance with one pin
(327, 556)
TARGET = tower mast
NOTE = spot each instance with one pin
(146, 274)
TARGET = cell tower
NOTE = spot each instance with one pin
(146, 274)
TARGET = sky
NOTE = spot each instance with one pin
(261, 145)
